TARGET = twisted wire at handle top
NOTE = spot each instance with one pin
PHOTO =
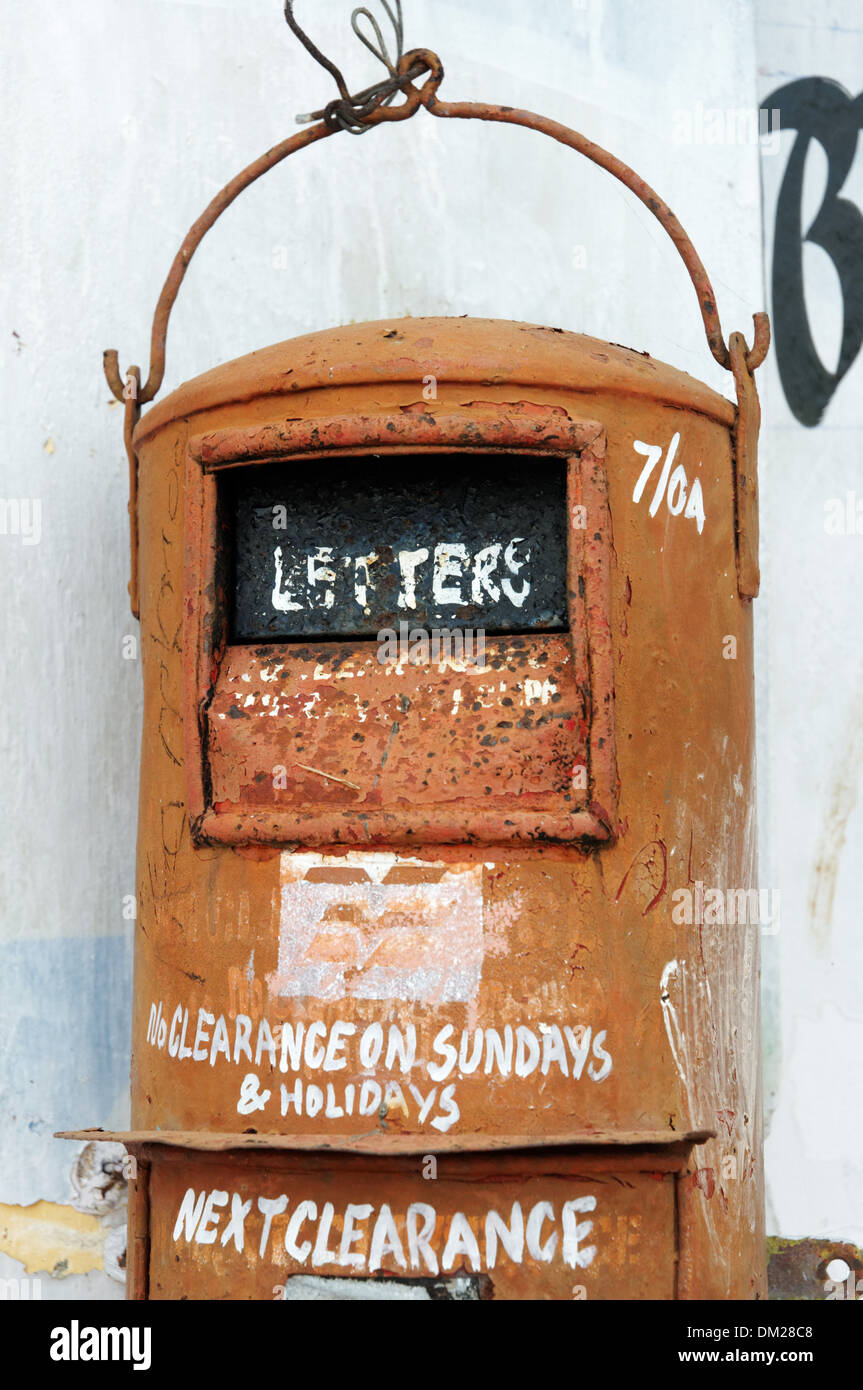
(347, 112)
(373, 106)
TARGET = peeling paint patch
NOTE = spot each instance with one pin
(51, 1237)
(99, 1178)
(377, 926)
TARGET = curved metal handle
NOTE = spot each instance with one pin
(337, 116)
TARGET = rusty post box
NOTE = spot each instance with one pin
(448, 749)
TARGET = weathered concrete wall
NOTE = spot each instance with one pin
(809, 617)
(127, 119)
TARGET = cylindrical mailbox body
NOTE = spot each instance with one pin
(448, 949)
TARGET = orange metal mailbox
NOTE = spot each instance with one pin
(426, 1003)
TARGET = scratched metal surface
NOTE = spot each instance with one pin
(351, 733)
(387, 959)
(350, 549)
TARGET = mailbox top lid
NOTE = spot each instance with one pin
(482, 351)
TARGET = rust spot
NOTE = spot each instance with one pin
(800, 1269)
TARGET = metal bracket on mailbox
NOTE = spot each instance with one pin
(131, 413)
(746, 428)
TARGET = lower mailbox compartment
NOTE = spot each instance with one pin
(537, 1224)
